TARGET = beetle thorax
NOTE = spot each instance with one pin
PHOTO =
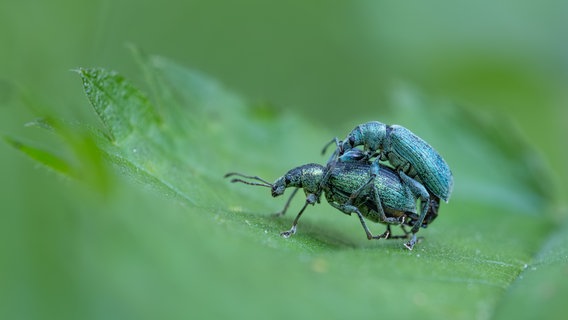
(307, 177)
(311, 176)
(373, 135)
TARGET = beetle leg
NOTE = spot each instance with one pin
(310, 199)
(350, 208)
(370, 236)
(335, 153)
(345, 208)
(405, 236)
(283, 211)
(357, 192)
(387, 233)
(382, 216)
(287, 234)
(419, 191)
(410, 244)
(374, 172)
(328, 169)
(334, 140)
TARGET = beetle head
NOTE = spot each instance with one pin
(280, 185)
(307, 177)
(370, 135)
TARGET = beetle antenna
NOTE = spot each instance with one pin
(263, 183)
(334, 140)
(252, 183)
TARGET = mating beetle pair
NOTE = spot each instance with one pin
(415, 161)
(355, 183)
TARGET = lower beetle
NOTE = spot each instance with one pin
(346, 189)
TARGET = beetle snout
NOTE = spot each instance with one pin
(277, 190)
(278, 187)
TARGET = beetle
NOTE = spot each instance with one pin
(356, 155)
(346, 188)
(416, 162)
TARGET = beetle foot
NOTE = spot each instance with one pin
(410, 244)
(287, 234)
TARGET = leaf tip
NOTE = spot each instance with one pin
(12, 142)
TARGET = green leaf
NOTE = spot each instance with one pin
(122, 108)
(542, 283)
(46, 158)
(202, 246)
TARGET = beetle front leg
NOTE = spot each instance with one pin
(310, 199)
(382, 216)
(410, 244)
(283, 211)
(335, 153)
(373, 174)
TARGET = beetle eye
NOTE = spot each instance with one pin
(351, 141)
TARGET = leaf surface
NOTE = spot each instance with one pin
(216, 244)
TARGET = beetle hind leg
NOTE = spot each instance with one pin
(419, 191)
(348, 209)
(398, 236)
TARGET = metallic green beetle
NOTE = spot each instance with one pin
(346, 189)
(416, 162)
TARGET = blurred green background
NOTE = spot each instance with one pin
(335, 63)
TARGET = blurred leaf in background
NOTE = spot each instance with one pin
(484, 83)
